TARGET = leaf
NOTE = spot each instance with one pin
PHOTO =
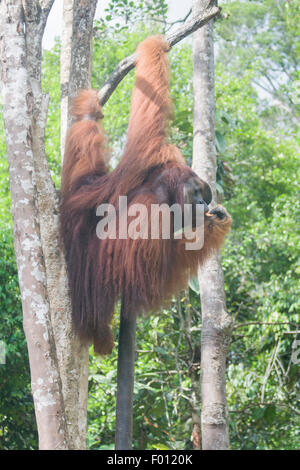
(219, 189)
(160, 446)
(161, 351)
(270, 413)
(225, 117)
(194, 285)
(220, 142)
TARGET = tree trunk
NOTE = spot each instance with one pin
(80, 73)
(216, 324)
(193, 351)
(18, 104)
(73, 355)
(65, 63)
(61, 360)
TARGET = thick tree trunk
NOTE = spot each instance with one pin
(18, 104)
(72, 354)
(62, 360)
(216, 324)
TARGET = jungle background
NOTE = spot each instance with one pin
(257, 87)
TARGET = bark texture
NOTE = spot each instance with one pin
(25, 21)
(80, 72)
(65, 63)
(72, 354)
(18, 105)
(216, 323)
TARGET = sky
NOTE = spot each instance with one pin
(177, 10)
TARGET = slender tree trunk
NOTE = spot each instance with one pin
(80, 72)
(216, 324)
(125, 376)
(194, 366)
(73, 355)
(65, 63)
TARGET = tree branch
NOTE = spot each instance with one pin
(128, 63)
(170, 25)
(183, 20)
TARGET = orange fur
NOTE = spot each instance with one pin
(144, 272)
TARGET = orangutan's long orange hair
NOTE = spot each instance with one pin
(143, 272)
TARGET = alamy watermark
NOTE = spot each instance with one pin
(157, 221)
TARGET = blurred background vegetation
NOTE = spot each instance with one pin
(257, 116)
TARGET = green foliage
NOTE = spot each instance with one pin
(120, 15)
(258, 174)
(162, 408)
(263, 36)
(261, 258)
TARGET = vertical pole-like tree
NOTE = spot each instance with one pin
(216, 323)
(65, 63)
(76, 57)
